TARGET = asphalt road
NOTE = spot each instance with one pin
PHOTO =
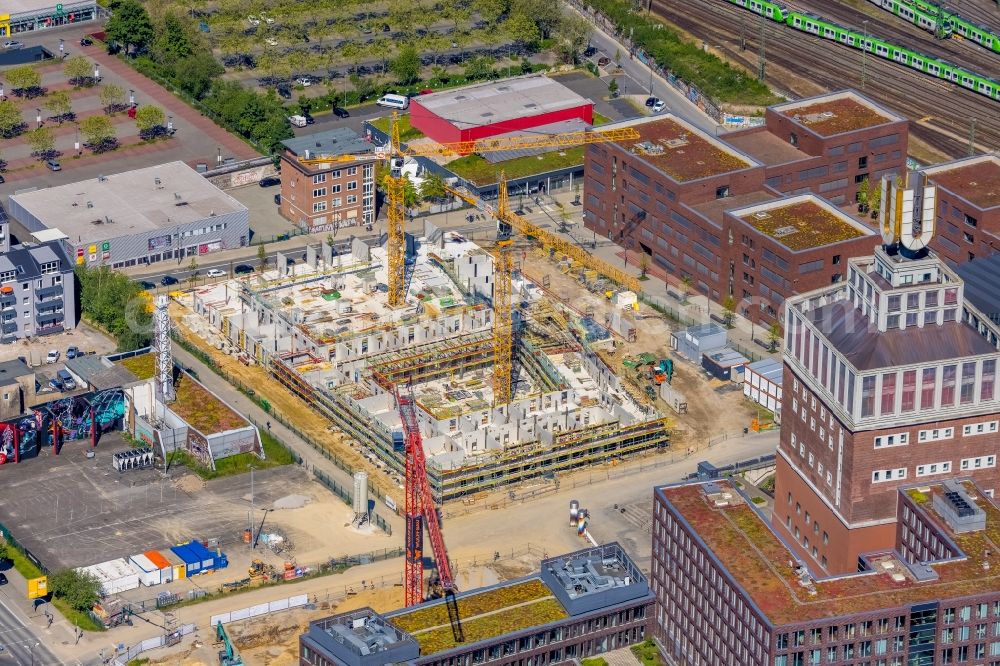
(328, 121)
(20, 644)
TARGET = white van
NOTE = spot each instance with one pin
(298, 121)
(394, 101)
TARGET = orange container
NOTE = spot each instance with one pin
(158, 560)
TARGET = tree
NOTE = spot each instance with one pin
(546, 15)
(11, 121)
(686, 281)
(480, 67)
(613, 87)
(728, 309)
(305, 105)
(433, 187)
(78, 70)
(173, 43)
(643, 265)
(192, 272)
(149, 117)
(112, 97)
(194, 74)
(522, 29)
(774, 335)
(79, 589)
(439, 74)
(406, 65)
(60, 104)
(363, 86)
(97, 130)
(41, 141)
(262, 257)
(130, 26)
(864, 194)
(491, 11)
(574, 34)
(22, 78)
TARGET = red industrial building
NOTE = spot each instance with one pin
(498, 107)
(968, 219)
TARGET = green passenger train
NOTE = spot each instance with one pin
(958, 24)
(826, 29)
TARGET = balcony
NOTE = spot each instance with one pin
(8, 301)
(48, 318)
(49, 306)
(49, 292)
(9, 326)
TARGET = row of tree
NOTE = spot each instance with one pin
(168, 47)
(117, 304)
(78, 589)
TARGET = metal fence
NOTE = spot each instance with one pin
(125, 656)
(13, 542)
(266, 407)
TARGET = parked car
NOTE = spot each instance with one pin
(284, 92)
(270, 181)
(589, 51)
(168, 280)
(603, 61)
(298, 121)
(3, 579)
(304, 81)
(73, 352)
(242, 269)
(53, 165)
(341, 113)
(650, 101)
(426, 91)
(13, 44)
(2, 181)
(215, 273)
(277, 199)
(86, 41)
(271, 41)
(147, 285)
(52, 356)
(659, 106)
(66, 380)
(309, 119)
(55, 385)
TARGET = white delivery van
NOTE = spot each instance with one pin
(298, 121)
(394, 101)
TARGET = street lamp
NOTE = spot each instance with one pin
(131, 98)
(31, 650)
(170, 123)
(38, 117)
(864, 57)
(218, 158)
(76, 144)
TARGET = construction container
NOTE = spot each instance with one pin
(726, 364)
(115, 576)
(160, 562)
(149, 573)
(625, 299)
(177, 565)
(199, 559)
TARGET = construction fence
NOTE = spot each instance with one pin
(125, 656)
(258, 610)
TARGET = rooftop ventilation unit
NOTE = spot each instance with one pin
(676, 143)
(650, 147)
(90, 204)
(762, 215)
(177, 197)
(101, 179)
(818, 117)
(781, 232)
(156, 181)
(958, 509)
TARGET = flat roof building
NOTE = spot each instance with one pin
(681, 197)
(497, 107)
(168, 211)
(37, 291)
(579, 605)
(21, 16)
(326, 197)
(968, 213)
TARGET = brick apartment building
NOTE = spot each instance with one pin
(672, 193)
(968, 219)
(730, 591)
(326, 197)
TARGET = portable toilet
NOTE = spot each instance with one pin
(161, 563)
(178, 565)
(191, 560)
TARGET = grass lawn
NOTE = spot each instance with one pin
(648, 654)
(142, 366)
(27, 568)
(275, 453)
(476, 604)
(406, 132)
(477, 170)
(532, 614)
(594, 661)
(600, 119)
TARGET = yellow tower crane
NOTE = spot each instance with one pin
(503, 343)
(395, 152)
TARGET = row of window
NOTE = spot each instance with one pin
(335, 203)
(928, 469)
(336, 173)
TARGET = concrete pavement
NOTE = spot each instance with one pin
(25, 633)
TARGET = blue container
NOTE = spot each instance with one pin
(192, 559)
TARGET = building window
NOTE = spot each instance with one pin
(936, 434)
(319, 178)
(888, 393)
(863, 162)
(967, 392)
(335, 202)
(934, 468)
(352, 198)
(334, 189)
(897, 439)
(909, 390)
(352, 171)
(980, 462)
(867, 396)
(948, 376)
(882, 475)
(352, 185)
(335, 173)
(927, 385)
(319, 192)
(319, 206)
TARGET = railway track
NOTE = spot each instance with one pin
(893, 29)
(983, 12)
(940, 111)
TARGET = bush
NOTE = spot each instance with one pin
(79, 590)
(112, 301)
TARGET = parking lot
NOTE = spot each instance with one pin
(265, 221)
(84, 338)
(70, 510)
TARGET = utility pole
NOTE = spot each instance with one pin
(761, 57)
(864, 58)
(972, 138)
(251, 509)
(743, 33)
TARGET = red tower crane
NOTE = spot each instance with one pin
(420, 511)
